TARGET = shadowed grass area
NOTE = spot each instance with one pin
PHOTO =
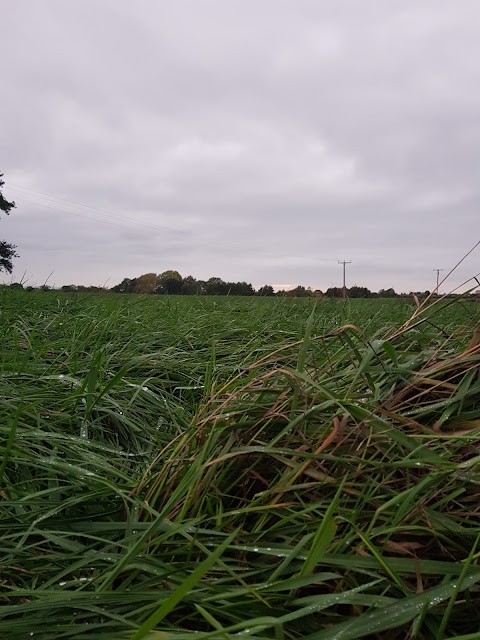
(238, 468)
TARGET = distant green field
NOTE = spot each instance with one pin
(199, 467)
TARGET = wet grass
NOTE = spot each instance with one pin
(238, 468)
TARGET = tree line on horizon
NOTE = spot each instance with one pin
(172, 283)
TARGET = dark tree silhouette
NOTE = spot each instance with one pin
(266, 290)
(7, 251)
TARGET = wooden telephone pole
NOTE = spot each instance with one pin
(438, 279)
(344, 262)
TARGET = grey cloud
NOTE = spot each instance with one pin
(258, 141)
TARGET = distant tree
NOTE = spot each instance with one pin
(266, 290)
(201, 287)
(147, 283)
(126, 286)
(216, 287)
(170, 273)
(93, 289)
(359, 292)
(7, 251)
(334, 292)
(172, 286)
(300, 292)
(169, 282)
(192, 287)
(239, 289)
(69, 288)
(387, 293)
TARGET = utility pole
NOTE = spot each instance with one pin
(344, 262)
(438, 279)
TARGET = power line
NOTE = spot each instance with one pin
(122, 220)
(104, 212)
(128, 222)
(344, 262)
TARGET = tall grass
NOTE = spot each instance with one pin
(235, 468)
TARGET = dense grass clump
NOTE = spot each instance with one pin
(238, 468)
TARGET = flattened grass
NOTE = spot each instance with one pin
(237, 468)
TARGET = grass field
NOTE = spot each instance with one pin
(238, 468)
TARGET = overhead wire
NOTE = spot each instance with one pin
(123, 220)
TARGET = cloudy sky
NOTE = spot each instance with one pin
(258, 140)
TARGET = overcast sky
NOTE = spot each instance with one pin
(257, 140)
